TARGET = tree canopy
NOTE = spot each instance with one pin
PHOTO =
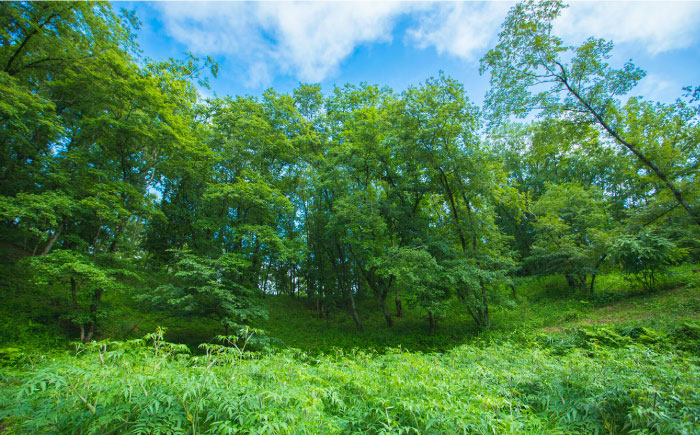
(117, 177)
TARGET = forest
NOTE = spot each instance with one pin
(352, 260)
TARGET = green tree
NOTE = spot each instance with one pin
(645, 255)
(532, 69)
(438, 129)
(207, 287)
(422, 278)
(78, 283)
(572, 233)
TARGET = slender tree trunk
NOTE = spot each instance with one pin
(319, 307)
(93, 315)
(353, 310)
(399, 306)
(485, 307)
(385, 310)
(592, 283)
(431, 321)
(76, 309)
(348, 291)
(595, 272)
(52, 240)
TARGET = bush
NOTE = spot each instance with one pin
(494, 386)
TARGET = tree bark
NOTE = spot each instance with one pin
(93, 314)
(353, 309)
(431, 320)
(595, 272)
(343, 282)
(399, 306)
(385, 310)
(485, 307)
(52, 240)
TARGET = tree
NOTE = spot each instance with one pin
(572, 233)
(438, 129)
(207, 287)
(422, 278)
(532, 69)
(82, 282)
(645, 255)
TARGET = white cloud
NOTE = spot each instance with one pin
(656, 88)
(313, 38)
(308, 40)
(657, 26)
(465, 30)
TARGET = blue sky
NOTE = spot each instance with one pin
(398, 44)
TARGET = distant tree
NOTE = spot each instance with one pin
(645, 255)
(438, 129)
(78, 282)
(572, 233)
(420, 276)
(206, 287)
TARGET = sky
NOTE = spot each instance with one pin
(261, 45)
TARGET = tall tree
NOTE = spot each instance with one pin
(532, 69)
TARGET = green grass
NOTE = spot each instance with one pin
(544, 303)
(624, 361)
(293, 323)
(541, 303)
(523, 384)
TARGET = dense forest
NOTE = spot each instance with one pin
(126, 196)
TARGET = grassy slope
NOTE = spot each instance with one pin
(554, 364)
(543, 305)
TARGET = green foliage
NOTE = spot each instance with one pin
(418, 273)
(505, 387)
(645, 255)
(533, 70)
(571, 234)
(204, 287)
(127, 202)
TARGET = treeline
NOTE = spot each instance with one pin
(116, 177)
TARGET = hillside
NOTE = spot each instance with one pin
(581, 367)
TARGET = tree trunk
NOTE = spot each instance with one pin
(93, 315)
(399, 307)
(353, 310)
(91, 331)
(431, 320)
(485, 307)
(319, 307)
(595, 273)
(52, 240)
(76, 309)
(344, 285)
(385, 310)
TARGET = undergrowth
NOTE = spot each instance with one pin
(587, 380)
